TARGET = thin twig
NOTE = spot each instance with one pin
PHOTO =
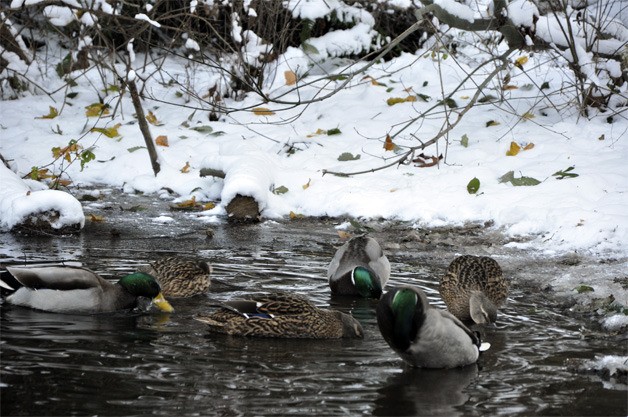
(503, 57)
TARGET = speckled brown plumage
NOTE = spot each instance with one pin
(280, 315)
(180, 277)
(477, 277)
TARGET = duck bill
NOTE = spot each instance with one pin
(162, 304)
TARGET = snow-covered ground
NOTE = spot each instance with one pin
(587, 212)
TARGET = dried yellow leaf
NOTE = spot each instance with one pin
(528, 146)
(96, 218)
(317, 133)
(373, 80)
(306, 186)
(62, 182)
(294, 215)
(66, 151)
(187, 203)
(527, 115)
(186, 168)
(208, 206)
(344, 235)
(44, 173)
(520, 62)
(509, 87)
(514, 149)
(152, 119)
(161, 140)
(291, 77)
(97, 110)
(396, 100)
(263, 111)
(110, 132)
(51, 114)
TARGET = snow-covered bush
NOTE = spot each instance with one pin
(590, 37)
(236, 40)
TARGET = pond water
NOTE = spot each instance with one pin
(126, 364)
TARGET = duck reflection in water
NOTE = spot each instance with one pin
(425, 392)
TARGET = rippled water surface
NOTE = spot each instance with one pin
(170, 365)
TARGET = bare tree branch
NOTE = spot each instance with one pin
(407, 155)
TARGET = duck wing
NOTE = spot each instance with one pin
(273, 315)
(278, 304)
(62, 278)
(446, 316)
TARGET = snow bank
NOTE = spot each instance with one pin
(19, 202)
(615, 322)
(611, 368)
(248, 172)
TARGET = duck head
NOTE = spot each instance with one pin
(351, 328)
(366, 282)
(481, 309)
(400, 314)
(140, 284)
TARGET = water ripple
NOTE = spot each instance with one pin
(170, 365)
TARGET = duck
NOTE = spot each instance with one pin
(425, 336)
(280, 315)
(359, 268)
(78, 290)
(474, 288)
(180, 277)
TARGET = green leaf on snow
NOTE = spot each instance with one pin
(518, 182)
(347, 156)
(280, 190)
(565, 173)
(473, 186)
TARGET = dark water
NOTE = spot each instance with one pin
(170, 365)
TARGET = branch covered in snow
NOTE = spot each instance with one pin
(593, 40)
(523, 26)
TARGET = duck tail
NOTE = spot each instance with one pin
(482, 346)
(6, 286)
(8, 282)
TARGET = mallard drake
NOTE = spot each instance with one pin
(75, 290)
(474, 288)
(360, 268)
(425, 337)
(280, 315)
(180, 277)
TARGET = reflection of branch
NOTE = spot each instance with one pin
(403, 158)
